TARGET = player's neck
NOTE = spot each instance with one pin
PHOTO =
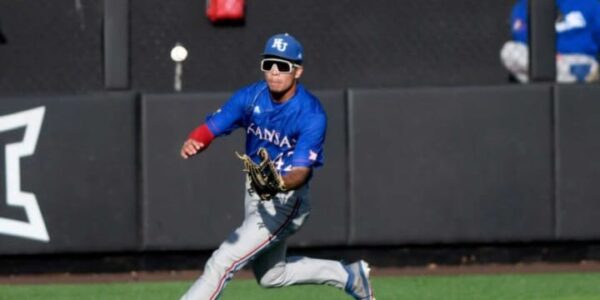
(284, 96)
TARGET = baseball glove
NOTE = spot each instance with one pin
(265, 181)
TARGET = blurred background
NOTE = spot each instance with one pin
(60, 47)
(435, 152)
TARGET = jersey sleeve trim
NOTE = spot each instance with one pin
(202, 134)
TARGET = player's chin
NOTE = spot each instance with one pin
(277, 88)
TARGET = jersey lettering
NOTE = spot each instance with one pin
(270, 135)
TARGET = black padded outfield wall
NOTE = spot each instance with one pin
(68, 175)
(451, 165)
(194, 203)
(578, 162)
(102, 173)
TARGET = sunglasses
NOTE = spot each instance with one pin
(283, 66)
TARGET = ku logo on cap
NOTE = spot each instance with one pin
(279, 44)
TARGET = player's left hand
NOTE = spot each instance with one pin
(191, 148)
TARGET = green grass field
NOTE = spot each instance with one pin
(584, 286)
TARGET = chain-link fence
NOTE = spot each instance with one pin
(347, 43)
(51, 46)
(57, 46)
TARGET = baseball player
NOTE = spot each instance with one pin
(578, 41)
(283, 121)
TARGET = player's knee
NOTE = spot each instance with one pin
(515, 56)
(273, 278)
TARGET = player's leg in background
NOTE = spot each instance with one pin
(515, 58)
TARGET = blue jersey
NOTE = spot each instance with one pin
(577, 27)
(292, 132)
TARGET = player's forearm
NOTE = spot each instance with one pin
(202, 134)
(197, 141)
(296, 178)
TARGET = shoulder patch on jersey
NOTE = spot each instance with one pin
(312, 155)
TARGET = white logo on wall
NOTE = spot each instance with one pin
(34, 228)
(279, 45)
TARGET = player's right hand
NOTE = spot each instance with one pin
(191, 148)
